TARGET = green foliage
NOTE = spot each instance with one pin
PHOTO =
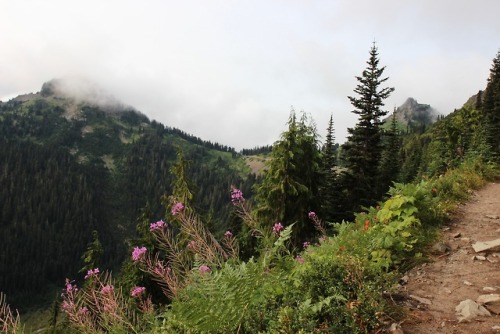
(290, 183)
(219, 302)
(396, 231)
(342, 293)
(93, 254)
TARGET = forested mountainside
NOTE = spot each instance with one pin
(71, 166)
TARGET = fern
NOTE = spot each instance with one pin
(218, 302)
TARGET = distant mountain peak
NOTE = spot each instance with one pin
(81, 89)
(413, 113)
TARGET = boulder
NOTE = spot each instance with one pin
(468, 310)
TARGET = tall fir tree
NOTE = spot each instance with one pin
(289, 187)
(491, 108)
(391, 157)
(329, 190)
(364, 144)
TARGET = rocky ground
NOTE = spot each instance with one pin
(459, 271)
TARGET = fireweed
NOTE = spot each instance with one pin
(318, 224)
(9, 323)
(192, 249)
(138, 253)
(99, 307)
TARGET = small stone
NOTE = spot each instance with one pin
(440, 248)
(468, 283)
(469, 309)
(448, 291)
(489, 289)
(479, 258)
(395, 329)
(481, 246)
(496, 328)
(421, 300)
(404, 280)
(465, 239)
(491, 302)
(457, 235)
(492, 216)
(491, 298)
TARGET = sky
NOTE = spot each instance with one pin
(230, 71)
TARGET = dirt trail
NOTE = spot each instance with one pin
(456, 275)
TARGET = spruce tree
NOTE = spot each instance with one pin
(329, 189)
(491, 108)
(289, 187)
(364, 144)
(391, 157)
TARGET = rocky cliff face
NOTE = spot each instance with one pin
(412, 113)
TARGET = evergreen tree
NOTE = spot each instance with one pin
(93, 254)
(289, 187)
(391, 157)
(491, 107)
(329, 189)
(364, 145)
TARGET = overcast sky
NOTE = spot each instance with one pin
(229, 71)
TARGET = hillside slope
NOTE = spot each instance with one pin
(73, 164)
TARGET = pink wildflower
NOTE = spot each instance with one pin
(83, 310)
(299, 259)
(70, 287)
(204, 269)
(137, 291)
(92, 273)
(66, 305)
(228, 234)
(138, 253)
(236, 196)
(306, 244)
(277, 228)
(107, 289)
(312, 215)
(157, 226)
(178, 207)
(191, 245)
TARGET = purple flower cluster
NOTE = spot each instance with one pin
(228, 234)
(157, 226)
(237, 196)
(107, 289)
(70, 287)
(137, 291)
(178, 207)
(92, 273)
(83, 310)
(138, 253)
(204, 269)
(277, 228)
(312, 215)
(306, 244)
